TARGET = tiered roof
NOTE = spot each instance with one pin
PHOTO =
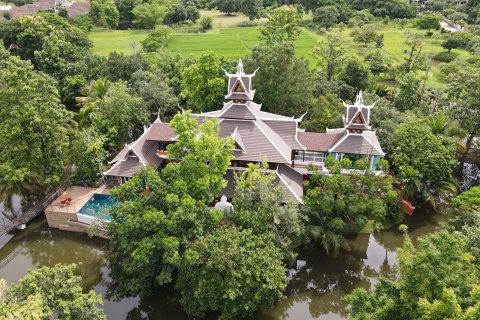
(259, 136)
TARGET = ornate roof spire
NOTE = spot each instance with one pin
(359, 99)
(240, 67)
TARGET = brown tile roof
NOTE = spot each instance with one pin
(287, 130)
(160, 132)
(316, 141)
(125, 168)
(291, 180)
(358, 144)
(258, 141)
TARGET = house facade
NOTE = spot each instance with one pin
(259, 137)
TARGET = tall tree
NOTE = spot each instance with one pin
(283, 26)
(119, 117)
(326, 17)
(432, 156)
(203, 83)
(466, 90)
(50, 292)
(34, 125)
(284, 83)
(233, 272)
(331, 54)
(251, 8)
(258, 207)
(436, 280)
(167, 210)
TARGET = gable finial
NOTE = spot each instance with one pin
(359, 100)
(240, 67)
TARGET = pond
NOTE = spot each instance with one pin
(318, 283)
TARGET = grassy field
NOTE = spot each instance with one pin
(229, 40)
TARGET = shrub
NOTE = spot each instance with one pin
(346, 163)
(157, 38)
(445, 56)
(206, 22)
(83, 22)
(6, 15)
(361, 164)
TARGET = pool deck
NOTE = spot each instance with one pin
(64, 217)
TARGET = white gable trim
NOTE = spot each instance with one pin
(338, 142)
(373, 145)
(288, 186)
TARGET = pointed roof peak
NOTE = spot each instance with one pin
(240, 67)
(359, 99)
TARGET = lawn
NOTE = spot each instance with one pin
(229, 40)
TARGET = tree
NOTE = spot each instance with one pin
(203, 83)
(156, 39)
(148, 15)
(467, 200)
(119, 117)
(88, 156)
(177, 13)
(339, 204)
(192, 12)
(206, 22)
(231, 271)
(50, 292)
(377, 62)
(205, 158)
(429, 22)
(330, 54)
(251, 8)
(167, 211)
(416, 147)
(438, 280)
(109, 15)
(283, 26)
(283, 82)
(365, 35)
(455, 40)
(324, 112)
(465, 89)
(34, 125)
(228, 6)
(414, 57)
(125, 10)
(326, 16)
(355, 74)
(408, 97)
(258, 207)
(158, 97)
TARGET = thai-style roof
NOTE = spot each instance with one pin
(125, 168)
(161, 132)
(365, 143)
(318, 142)
(286, 176)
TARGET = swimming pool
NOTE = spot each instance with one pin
(96, 207)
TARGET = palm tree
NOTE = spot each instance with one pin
(96, 91)
(439, 190)
(411, 182)
(16, 182)
(438, 123)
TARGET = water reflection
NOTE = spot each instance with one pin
(316, 289)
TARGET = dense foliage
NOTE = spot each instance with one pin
(231, 271)
(340, 204)
(49, 292)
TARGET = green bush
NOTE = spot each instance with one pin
(361, 164)
(83, 22)
(445, 57)
(346, 163)
(157, 39)
(206, 22)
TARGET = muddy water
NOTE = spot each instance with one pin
(316, 290)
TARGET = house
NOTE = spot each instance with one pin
(259, 137)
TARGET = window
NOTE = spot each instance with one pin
(310, 157)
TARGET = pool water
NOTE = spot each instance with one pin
(98, 206)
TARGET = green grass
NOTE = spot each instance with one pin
(228, 40)
(106, 41)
